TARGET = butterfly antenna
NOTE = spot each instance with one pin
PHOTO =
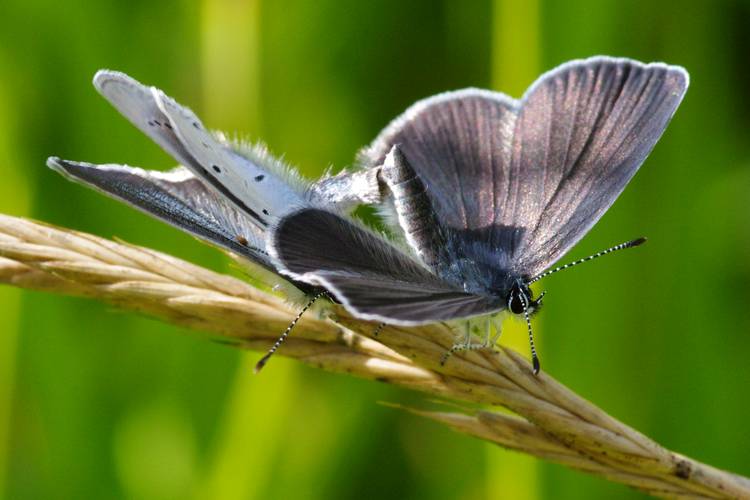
(259, 366)
(628, 244)
(534, 358)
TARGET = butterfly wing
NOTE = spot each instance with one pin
(176, 197)
(458, 144)
(582, 133)
(252, 187)
(252, 181)
(529, 178)
(136, 103)
(373, 279)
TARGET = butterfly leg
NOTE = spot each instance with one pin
(457, 347)
(489, 339)
(465, 345)
(498, 330)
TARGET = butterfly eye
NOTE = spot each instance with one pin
(515, 301)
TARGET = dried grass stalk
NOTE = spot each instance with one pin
(553, 423)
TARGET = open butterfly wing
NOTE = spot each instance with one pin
(247, 179)
(529, 178)
(372, 278)
(459, 144)
(251, 186)
(176, 197)
(583, 131)
(136, 102)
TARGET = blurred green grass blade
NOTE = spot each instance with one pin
(230, 64)
(515, 65)
(515, 45)
(155, 450)
(15, 198)
(250, 433)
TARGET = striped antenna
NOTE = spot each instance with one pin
(534, 358)
(259, 366)
(621, 246)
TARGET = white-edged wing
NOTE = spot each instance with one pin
(253, 187)
(528, 178)
(373, 279)
(176, 197)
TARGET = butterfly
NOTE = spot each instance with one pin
(488, 192)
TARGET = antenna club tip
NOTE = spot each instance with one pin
(260, 364)
(536, 365)
(638, 241)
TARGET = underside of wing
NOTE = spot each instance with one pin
(178, 198)
(249, 178)
(136, 103)
(252, 187)
(372, 278)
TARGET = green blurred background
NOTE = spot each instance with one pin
(95, 403)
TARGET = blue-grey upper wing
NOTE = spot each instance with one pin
(459, 144)
(529, 178)
(583, 131)
(368, 275)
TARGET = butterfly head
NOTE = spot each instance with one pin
(520, 299)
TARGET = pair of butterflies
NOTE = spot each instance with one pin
(489, 192)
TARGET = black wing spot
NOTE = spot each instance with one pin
(157, 122)
(259, 178)
(168, 125)
(204, 145)
(151, 123)
(195, 124)
(265, 212)
(216, 169)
